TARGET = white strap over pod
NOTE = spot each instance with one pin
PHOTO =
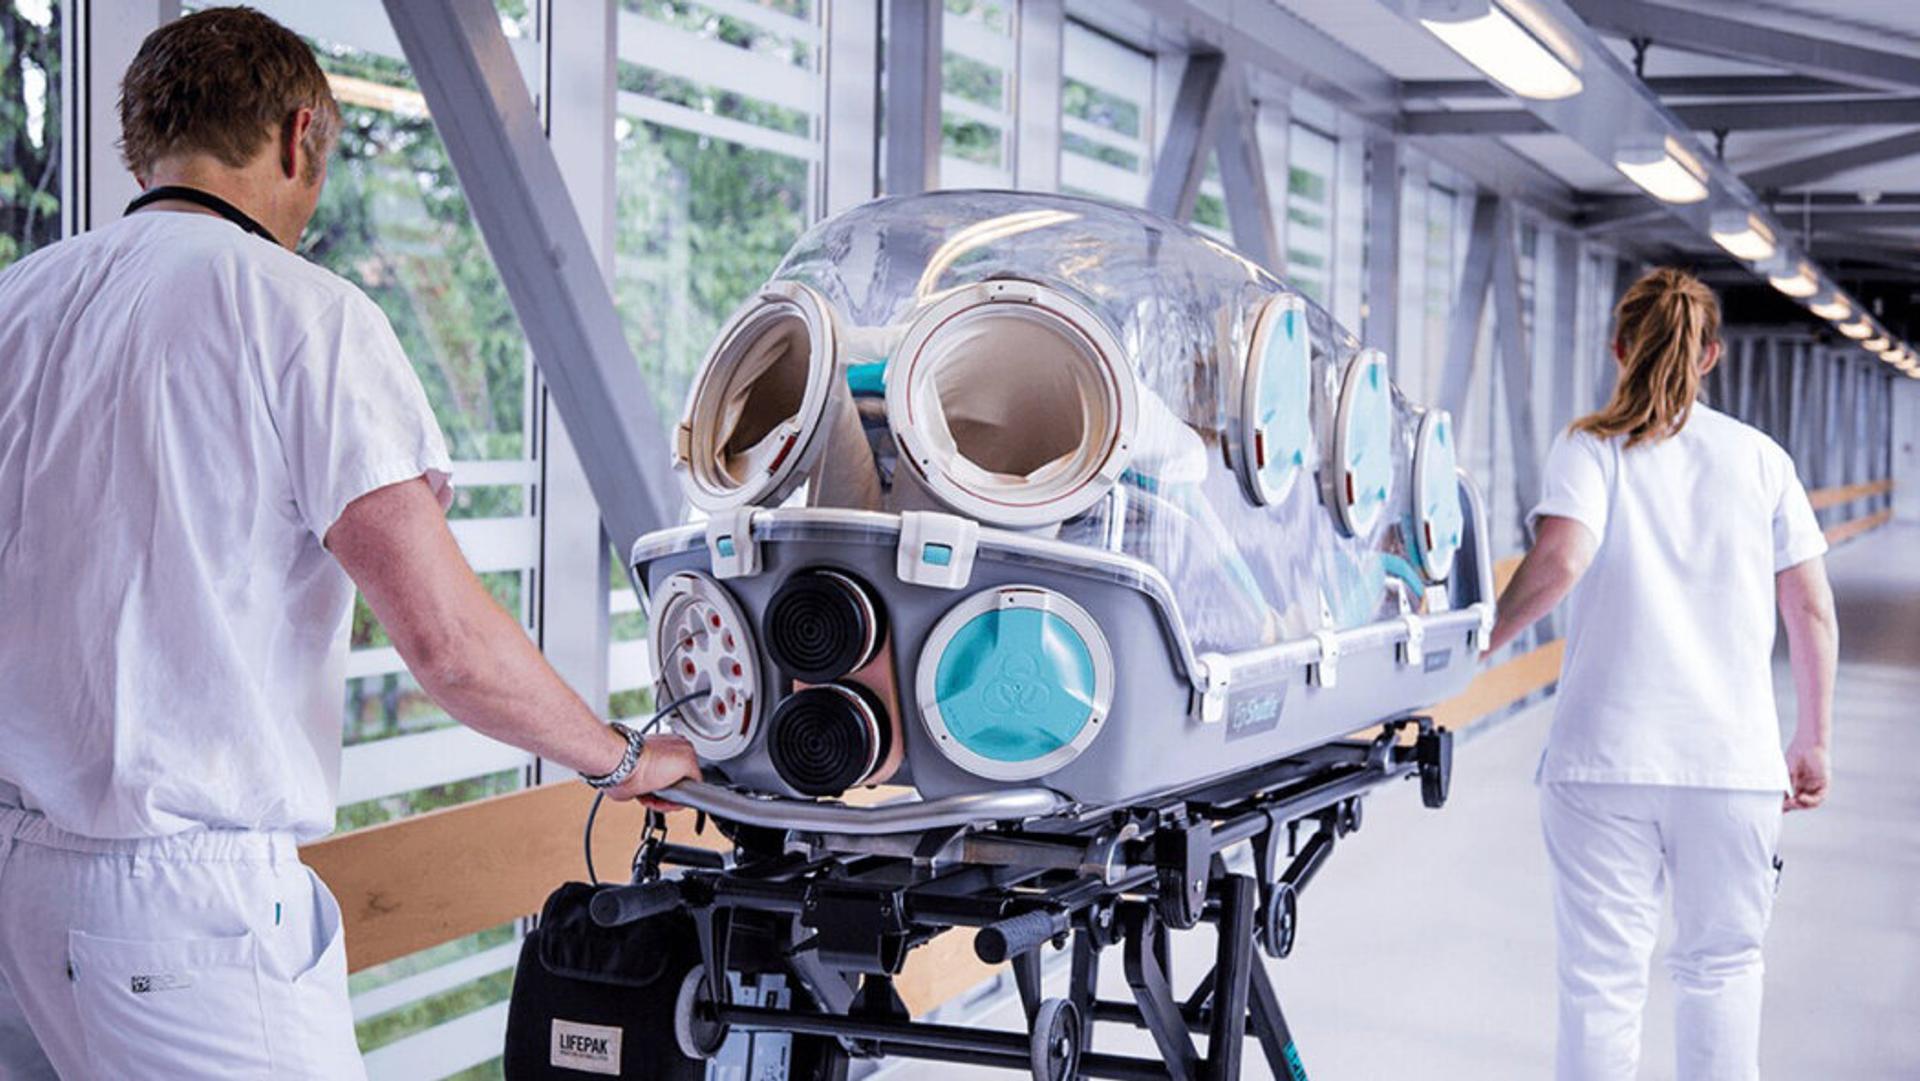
(730, 544)
(1326, 669)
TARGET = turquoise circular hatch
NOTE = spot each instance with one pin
(1015, 683)
(1276, 423)
(1439, 520)
(1363, 443)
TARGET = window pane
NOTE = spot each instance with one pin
(1309, 230)
(30, 136)
(976, 94)
(1106, 105)
(717, 173)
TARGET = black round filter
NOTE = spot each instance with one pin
(822, 624)
(824, 740)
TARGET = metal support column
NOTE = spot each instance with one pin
(1040, 46)
(484, 114)
(1380, 325)
(1566, 328)
(1516, 362)
(582, 62)
(1182, 158)
(913, 96)
(852, 139)
(1243, 174)
(1469, 302)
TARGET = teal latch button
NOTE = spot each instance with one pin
(725, 546)
(938, 555)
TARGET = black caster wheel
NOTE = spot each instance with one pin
(1053, 1050)
(1280, 920)
(1434, 752)
(699, 1037)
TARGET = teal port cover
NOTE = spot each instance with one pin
(1442, 521)
(1284, 405)
(1015, 684)
(1366, 443)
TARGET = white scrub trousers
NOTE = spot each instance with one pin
(209, 954)
(1616, 848)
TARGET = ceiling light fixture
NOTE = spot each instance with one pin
(1663, 167)
(1834, 308)
(1511, 43)
(1793, 277)
(1877, 345)
(1858, 329)
(1743, 234)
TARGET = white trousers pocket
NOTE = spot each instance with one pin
(187, 1008)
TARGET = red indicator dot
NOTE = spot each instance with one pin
(720, 707)
(737, 670)
(714, 620)
(727, 641)
(687, 667)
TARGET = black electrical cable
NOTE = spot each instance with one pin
(586, 840)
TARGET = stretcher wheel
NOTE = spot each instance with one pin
(1280, 920)
(1053, 1049)
(698, 1037)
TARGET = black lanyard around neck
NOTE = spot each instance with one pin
(203, 199)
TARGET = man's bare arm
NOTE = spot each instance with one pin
(1562, 552)
(469, 655)
(1813, 648)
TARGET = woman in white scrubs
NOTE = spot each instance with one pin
(1673, 529)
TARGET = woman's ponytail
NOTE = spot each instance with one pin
(1662, 327)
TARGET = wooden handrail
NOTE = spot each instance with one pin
(1822, 498)
(1853, 527)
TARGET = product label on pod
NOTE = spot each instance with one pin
(586, 1048)
(1257, 714)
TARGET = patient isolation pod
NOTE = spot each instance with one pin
(1008, 496)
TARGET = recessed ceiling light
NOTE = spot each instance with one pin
(1511, 42)
(1663, 167)
(1743, 234)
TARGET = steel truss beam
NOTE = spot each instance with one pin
(1182, 161)
(1243, 174)
(1733, 116)
(484, 113)
(1817, 167)
(1716, 36)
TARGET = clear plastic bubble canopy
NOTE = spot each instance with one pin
(1091, 373)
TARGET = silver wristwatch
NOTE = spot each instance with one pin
(636, 745)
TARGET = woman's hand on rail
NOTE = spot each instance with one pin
(1810, 774)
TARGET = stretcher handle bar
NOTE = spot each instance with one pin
(1015, 935)
(779, 812)
(617, 906)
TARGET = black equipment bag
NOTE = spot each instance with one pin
(590, 1001)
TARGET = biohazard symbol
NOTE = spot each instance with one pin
(1016, 688)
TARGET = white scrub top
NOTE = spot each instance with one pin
(185, 409)
(1668, 674)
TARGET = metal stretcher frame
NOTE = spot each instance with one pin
(854, 906)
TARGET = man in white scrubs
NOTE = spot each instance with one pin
(1676, 528)
(205, 443)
